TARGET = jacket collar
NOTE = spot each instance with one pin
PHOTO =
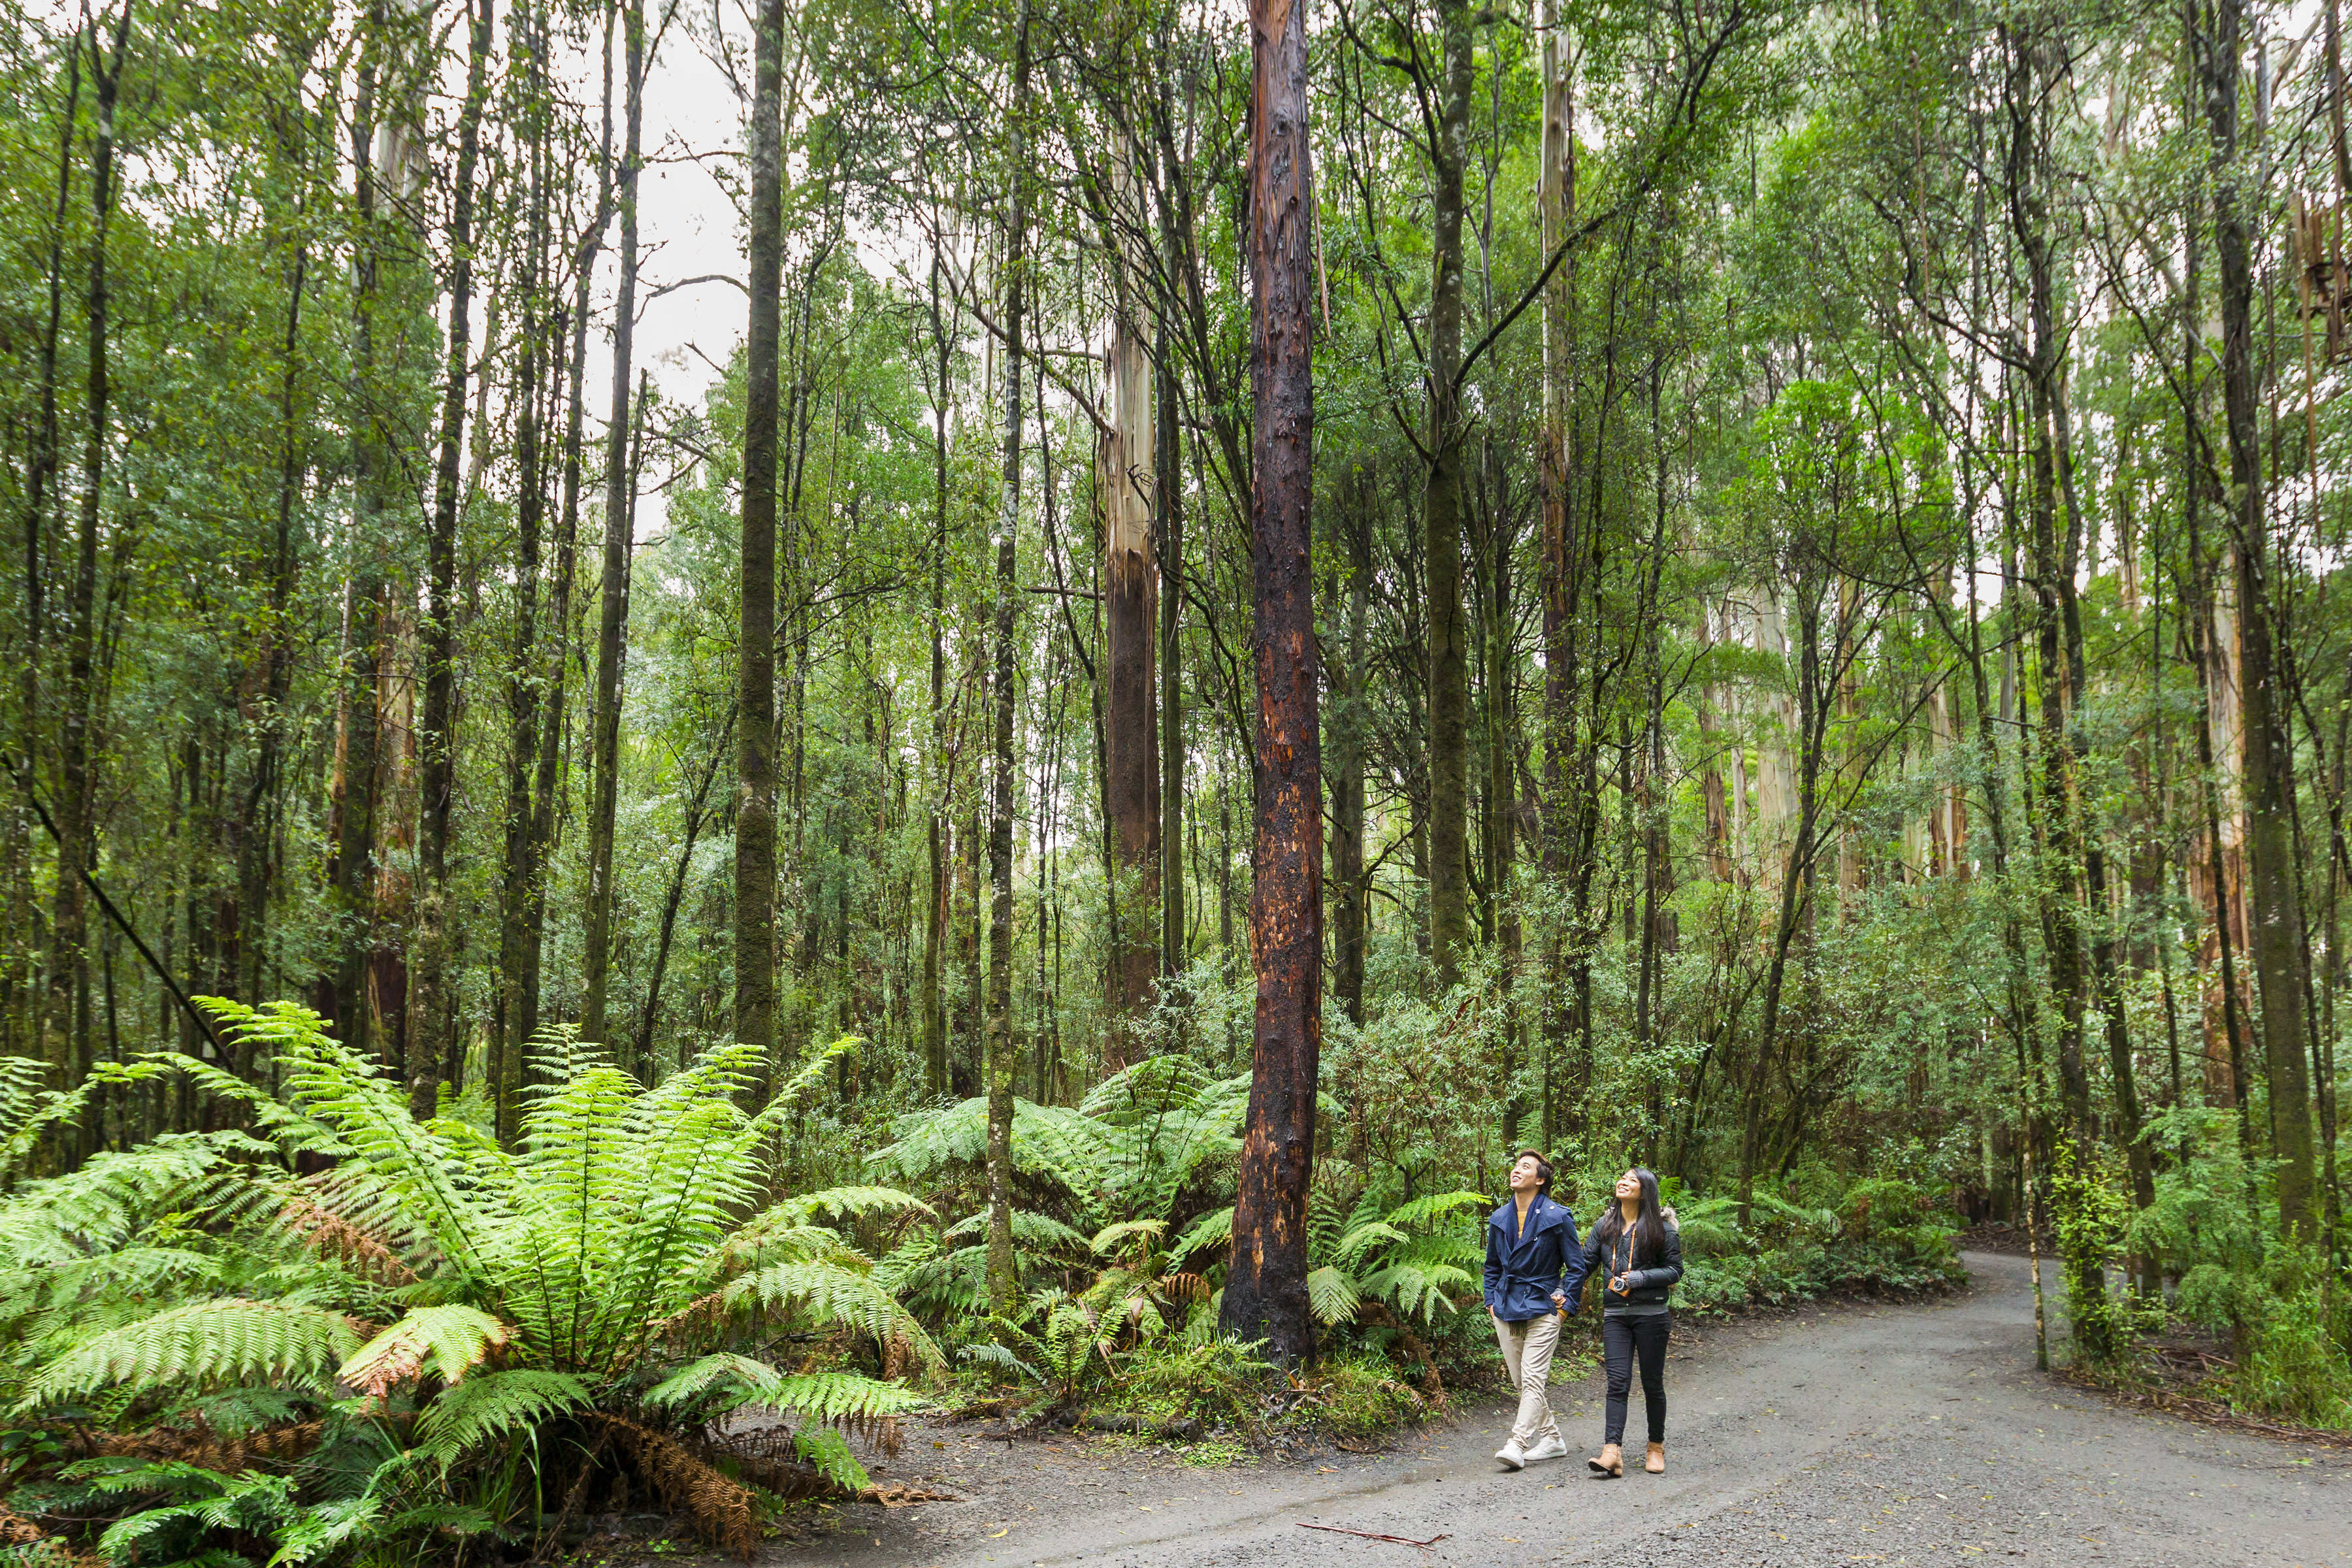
(1539, 1213)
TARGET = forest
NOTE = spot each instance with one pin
(812, 707)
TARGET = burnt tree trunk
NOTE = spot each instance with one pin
(1266, 1295)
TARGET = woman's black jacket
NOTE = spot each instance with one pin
(1650, 1279)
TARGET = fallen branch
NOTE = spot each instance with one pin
(1374, 1535)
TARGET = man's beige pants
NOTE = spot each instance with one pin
(1527, 1356)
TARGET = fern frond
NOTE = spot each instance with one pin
(328, 1527)
(824, 1447)
(1000, 1355)
(447, 1340)
(1108, 1240)
(698, 1377)
(1033, 1231)
(1210, 1230)
(849, 1203)
(828, 1293)
(1436, 1206)
(1331, 1295)
(1363, 1238)
(491, 1406)
(206, 1342)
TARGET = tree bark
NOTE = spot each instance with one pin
(1131, 595)
(612, 606)
(998, 1061)
(1347, 737)
(1449, 677)
(935, 908)
(755, 651)
(519, 856)
(428, 977)
(23, 1016)
(1554, 481)
(69, 1039)
(1265, 1294)
(2274, 911)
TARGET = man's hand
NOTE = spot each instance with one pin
(1557, 1300)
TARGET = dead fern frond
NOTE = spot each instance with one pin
(704, 1312)
(198, 1444)
(364, 1252)
(718, 1509)
(769, 1457)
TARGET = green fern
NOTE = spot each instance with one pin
(490, 1406)
(206, 1344)
(1331, 1295)
(446, 1341)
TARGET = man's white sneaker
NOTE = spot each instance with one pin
(1551, 1447)
(1513, 1457)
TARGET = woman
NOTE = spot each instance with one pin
(1638, 1254)
(1530, 1243)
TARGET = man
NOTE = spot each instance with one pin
(1529, 1242)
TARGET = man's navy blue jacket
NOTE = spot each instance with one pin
(1522, 1273)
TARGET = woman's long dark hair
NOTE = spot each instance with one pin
(1649, 1226)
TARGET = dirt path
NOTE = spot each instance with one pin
(1917, 1433)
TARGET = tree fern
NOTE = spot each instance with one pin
(491, 1406)
(206, 1344)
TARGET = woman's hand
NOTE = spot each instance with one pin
(1617, 1284)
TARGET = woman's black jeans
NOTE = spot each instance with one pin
(1623, 1337)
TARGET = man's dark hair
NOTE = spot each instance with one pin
(1543, 1168)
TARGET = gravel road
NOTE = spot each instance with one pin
(1852, 1434)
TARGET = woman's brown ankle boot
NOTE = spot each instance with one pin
(1656, 1462)
(1610, 1463)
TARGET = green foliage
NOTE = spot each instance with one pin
(205, 1344)
(489, 1309)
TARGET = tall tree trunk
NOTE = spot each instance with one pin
(1265, 1294)
(1556, 471)
(24, 1009)
(755, 641)
(519, 858)
(1449, 676)
(998, 1061)
(559, 640)
(613, 606)
(382, 150)
(935, 909)
(2056, 809)
(428, 980)
(1130, 594)
(1347, 737)
(1168, 495)
(68, 1042)
(2274, 913)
